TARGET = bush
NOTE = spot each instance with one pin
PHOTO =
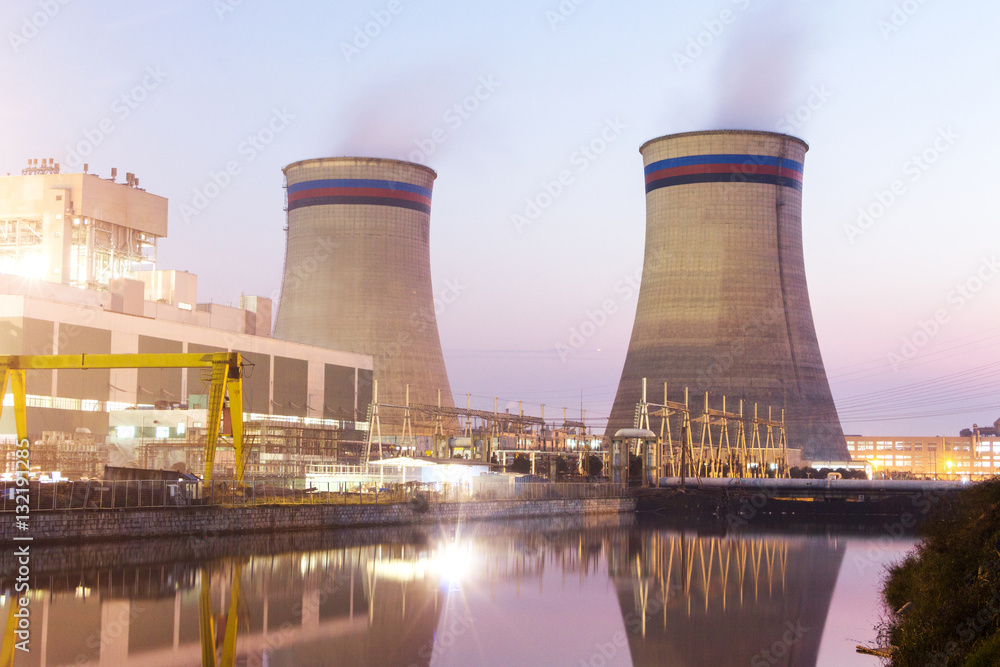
(521, 463)
(951, 582)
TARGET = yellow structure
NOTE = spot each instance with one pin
(206, 623)
(226, 373)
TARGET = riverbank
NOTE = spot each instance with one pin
(735, 503)
(946, 595)
(91, 525)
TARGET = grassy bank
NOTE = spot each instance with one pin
(947, 593)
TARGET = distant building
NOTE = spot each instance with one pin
(78, 276)
(935, 457)
(988, 431)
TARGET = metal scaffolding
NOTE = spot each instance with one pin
(757, 448)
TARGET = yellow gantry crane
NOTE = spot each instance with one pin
(227, 373)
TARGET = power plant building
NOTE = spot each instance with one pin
(723, 305)
(78, 276)
(357, 272)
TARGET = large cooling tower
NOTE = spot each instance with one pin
(357, 271)
(723, 304)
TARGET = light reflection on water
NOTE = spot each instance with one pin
(596, 591)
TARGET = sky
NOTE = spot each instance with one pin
(205, 101)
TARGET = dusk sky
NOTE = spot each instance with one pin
(897, 99)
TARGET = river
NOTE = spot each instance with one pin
(588, 591)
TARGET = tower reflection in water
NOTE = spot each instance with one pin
(583, 592)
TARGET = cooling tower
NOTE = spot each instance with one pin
(723, 305)
(357, 272)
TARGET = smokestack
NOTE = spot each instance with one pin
(357, 271)
(723, 305)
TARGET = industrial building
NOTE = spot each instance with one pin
(78, 276)
(357, 274)
(973, 457)
(723, 305)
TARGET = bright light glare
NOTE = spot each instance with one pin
(453, 561)
(29, 265)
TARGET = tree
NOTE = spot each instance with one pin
(562, 465)
(593, 465)
(521, 463)
(634, 470)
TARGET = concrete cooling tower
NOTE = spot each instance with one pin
(723, 305)
(357, 272)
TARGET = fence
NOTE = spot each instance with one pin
(134, 494)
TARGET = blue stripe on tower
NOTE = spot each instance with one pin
(359, 183)
(725, 158)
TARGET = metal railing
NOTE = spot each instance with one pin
(141, 494)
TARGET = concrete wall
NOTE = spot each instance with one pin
(123, 524)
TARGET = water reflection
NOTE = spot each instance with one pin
(726, 600)
(594, 592)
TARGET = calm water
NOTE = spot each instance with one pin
(596, 592)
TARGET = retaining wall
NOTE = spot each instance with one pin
(86, 525)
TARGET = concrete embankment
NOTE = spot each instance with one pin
(738, 502)
(88, 525)
(137, 559)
